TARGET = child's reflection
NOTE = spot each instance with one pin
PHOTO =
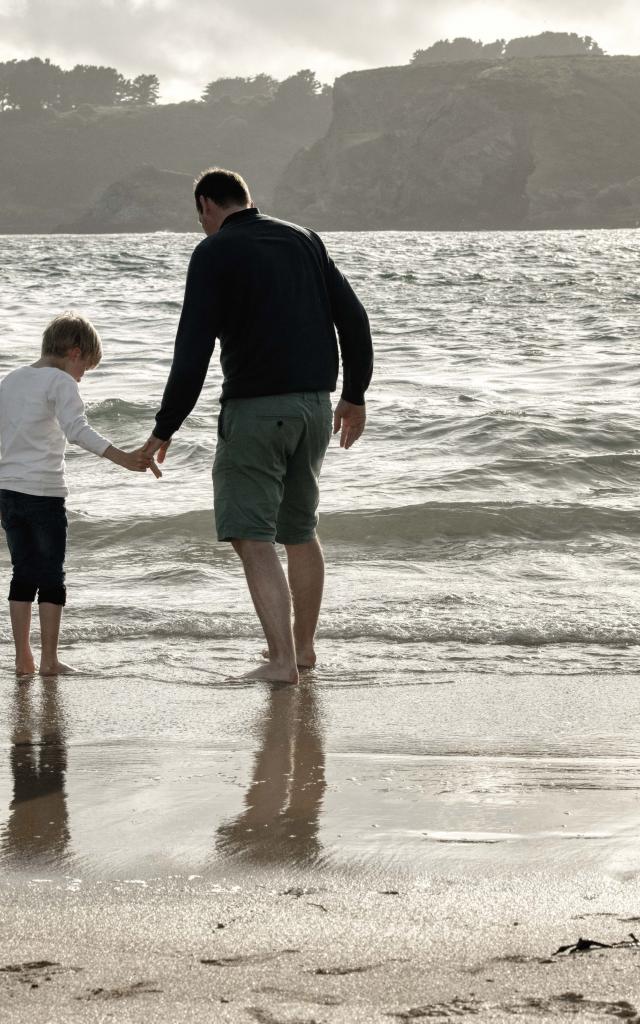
(37, 829)
(281, 820)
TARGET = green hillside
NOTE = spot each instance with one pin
(547, 142)
(54, 166)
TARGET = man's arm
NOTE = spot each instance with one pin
(356, 349)
(195, 341)
(354, 335)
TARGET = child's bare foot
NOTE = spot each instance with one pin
(56, 668)
(25, 665)
(305, 657)
(274, 672)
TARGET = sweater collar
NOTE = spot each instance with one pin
(239, 216)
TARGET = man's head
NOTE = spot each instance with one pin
(73, 340)
(217, 194)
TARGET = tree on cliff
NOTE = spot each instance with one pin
(33, 85)
(303, 85)
(461, 48)
(240, 88)
(100, 86)
(547, 44)
(30, 85)
(553, 44)
(143, 90)
(299, 98)
(296, 98)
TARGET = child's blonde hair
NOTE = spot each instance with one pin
(70, 330)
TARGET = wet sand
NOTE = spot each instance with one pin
(394, 845)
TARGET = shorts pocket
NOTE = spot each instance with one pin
(274, 420)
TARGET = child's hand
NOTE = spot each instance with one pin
(137, 461)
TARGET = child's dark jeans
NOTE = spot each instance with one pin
(36, 529)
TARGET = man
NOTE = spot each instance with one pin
(272, 295)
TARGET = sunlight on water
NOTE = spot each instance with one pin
(493, 501)
(480, 634)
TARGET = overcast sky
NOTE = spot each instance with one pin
(189, 42)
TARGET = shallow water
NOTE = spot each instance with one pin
(481, 616)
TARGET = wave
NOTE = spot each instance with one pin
(519, 432)
(470, 520)
(426, 521)
(112, 624)
(620, 470)
(113, 412)
(118, 410)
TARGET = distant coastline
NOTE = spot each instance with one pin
(538, 143)
(522, 143)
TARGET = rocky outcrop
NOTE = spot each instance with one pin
(537, 143)
(146, 200)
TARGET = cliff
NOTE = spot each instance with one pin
(55, 168)
(146, 200)
(536, 143)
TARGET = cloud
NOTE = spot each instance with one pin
(188, 42)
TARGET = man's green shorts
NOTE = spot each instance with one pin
(268, 460)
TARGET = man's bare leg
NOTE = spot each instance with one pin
(20, 612)
(272, 602)
(50, 619)
(306, 581)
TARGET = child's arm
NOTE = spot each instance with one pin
(137, 461)
(70, 413)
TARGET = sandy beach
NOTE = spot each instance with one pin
(216, 851)
(292, 947)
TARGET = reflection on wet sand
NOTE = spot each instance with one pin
(281, 820)
(37, 830)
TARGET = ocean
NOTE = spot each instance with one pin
(482, 609)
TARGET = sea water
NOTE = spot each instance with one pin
(481, 539)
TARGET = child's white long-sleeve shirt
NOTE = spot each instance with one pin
(40, 410)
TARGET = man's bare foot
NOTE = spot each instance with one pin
(25, 666)
(305, 658)
(56, 668)
(274, 673)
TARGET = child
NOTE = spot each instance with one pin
(40, 407)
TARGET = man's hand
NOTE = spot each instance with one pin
(138, 461)
(154, 445)
(351, 419)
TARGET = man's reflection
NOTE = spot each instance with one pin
(280, 823)
(37, 829)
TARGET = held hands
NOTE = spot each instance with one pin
(351, 420)
(141, 459)
(154, 445)
(138, 461)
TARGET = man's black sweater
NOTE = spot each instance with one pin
(272, 295)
